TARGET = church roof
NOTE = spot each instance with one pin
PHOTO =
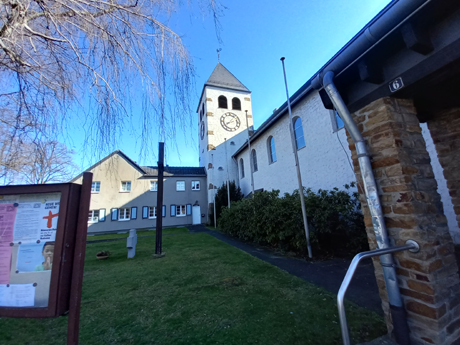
(222, 77)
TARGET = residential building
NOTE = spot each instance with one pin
(124, 195)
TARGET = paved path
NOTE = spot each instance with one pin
(327, 274)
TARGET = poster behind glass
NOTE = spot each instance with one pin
(28, 224)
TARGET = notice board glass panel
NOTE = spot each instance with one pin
(28, 227)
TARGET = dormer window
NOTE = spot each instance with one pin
(222, 100)
(236, 103)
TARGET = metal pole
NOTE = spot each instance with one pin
(226, 163)
(299, 176)
(250, 156)
(159, 223)
(213, 191)
(410, 245)
(401, 328)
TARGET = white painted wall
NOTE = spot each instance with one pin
(324, 164)
(442, 185)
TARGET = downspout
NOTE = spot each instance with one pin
(398, 314)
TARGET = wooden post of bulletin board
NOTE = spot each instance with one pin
(79, 261)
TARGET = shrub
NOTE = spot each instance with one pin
(334, 217)
(222, 199)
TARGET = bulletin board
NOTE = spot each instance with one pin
(38, 227)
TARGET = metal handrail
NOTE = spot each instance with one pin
(410, 245)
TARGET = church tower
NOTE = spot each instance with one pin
(222, 126)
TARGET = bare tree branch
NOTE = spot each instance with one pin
(56, 53)
(47, 161)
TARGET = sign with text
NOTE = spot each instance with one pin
(38, 228)
(28, 225)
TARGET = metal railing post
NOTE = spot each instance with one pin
(410, 245)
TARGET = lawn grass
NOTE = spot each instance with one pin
(202, 292)
(139, 233)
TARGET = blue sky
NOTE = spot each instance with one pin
(255, 36)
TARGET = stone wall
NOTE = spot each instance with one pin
(428, 280)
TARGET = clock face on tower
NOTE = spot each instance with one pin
(230, 122)
(202, 130)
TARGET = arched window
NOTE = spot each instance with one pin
(241, 168)
(298, 131)
(271, 150)
(254, 160)
(222, 100)
(236, 103)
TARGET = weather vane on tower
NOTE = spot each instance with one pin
(218, 54)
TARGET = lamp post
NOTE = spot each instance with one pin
(228, 183)
(250, 156)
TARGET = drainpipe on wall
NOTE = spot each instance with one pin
(398, 314)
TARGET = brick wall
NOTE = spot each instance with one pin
(428, 280)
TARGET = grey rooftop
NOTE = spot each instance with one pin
(173, 171)
(222, 77)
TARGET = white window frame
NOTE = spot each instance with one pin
(272, 158)
(181, 210)
(96, 187)
(181, 182)
(242, 168)
(255, 167)
(125, 186)
(152, 212)
(92, 217)
(335, 125)
(154, 186)
(196, 185)
(298, 133)
(124, 214)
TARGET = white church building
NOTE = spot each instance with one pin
(226, 122)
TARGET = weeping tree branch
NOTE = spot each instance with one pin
(55, 54)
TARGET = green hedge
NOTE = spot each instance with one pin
(335, 221)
